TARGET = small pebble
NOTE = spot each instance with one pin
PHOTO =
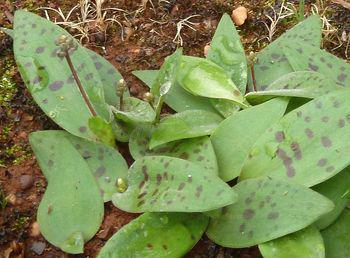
(26, 182)
(206, 50)
(239, 15)
(35, 229)
(11, 199)
(38, 247)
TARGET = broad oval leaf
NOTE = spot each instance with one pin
(306, 243)
(303, 84)
(156, 235)
(204, 78)
(198, 150)
(334, 189)
(71, 211)
(187, 124)
(235, 136)
(226, 50)
(271, 63)
(49, 79)
(266, 209)
(308, 145)
(105, 163)
(160, 183)
(304, 57)
(177, 98)
(336, 237)
(135, 111)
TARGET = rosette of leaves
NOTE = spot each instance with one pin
(279, 122)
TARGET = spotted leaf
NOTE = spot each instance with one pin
(105, 163)
(49, 79)
(318, 60)
(184, 125)
(303, 84)
(109, 77)
(308, 145)
(271, 63)
(336, 237)
(177, 98)
(306, 243)
(226, 50)
(71, 211)
(266, 209)
(334, 189)
(235, 136)
(204, 78)
(198, 150)
(156, 235)
(135, 111)
(166, 184)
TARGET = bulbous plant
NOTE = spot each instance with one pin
(286, 140)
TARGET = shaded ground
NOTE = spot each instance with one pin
(148, 38)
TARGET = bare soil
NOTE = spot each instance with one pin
(148, 39)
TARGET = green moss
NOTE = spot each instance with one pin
(20, 223)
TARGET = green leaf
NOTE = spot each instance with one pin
(166, 74)
(49, 78)
(177, 98)
(334, 189)
(135, 111)
(303, 84)
(306, 243)
(225, 107)
(226, 50)
(198, 150)
(71, 211)
(187, 124)
(271, 63)
(266, 209)
(337, 238)
(156, 235)
(148, 77)
(308, 145)
(166, 184)
(204, 78)
(235, 136)
(314, 59)
(122, 130)
(105, 163)
(109, 77)
(102, 130)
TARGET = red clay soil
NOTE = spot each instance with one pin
(146, 45)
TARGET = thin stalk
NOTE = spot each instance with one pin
(253, 75)
(80, 86)
(121, 101)
(159, 109)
